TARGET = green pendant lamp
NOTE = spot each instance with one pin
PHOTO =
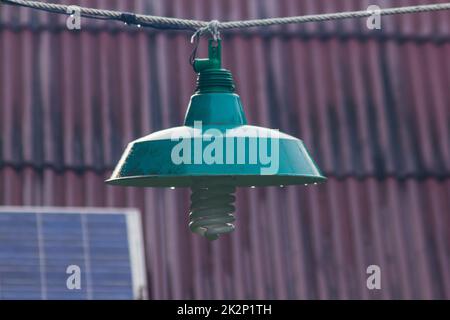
(215, 152)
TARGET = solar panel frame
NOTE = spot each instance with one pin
(88, 215)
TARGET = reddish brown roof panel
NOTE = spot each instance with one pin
(294, 242)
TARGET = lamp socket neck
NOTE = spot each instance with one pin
(214, 60)
(211, 76)
(215, 80)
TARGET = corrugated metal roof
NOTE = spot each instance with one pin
(381, 113)
(372, 107)
(313, 242)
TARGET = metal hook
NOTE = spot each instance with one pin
(213, 28)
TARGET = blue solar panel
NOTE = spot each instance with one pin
(37, 247)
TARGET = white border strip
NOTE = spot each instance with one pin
(137, 255)
(75, 210)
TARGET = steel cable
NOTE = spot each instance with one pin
(214, 27)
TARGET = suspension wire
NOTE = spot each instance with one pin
(155, 22)
(214, 27)
(333, 16)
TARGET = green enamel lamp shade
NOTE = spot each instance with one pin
(214, 152)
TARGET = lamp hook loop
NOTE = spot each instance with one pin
(213, 28)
